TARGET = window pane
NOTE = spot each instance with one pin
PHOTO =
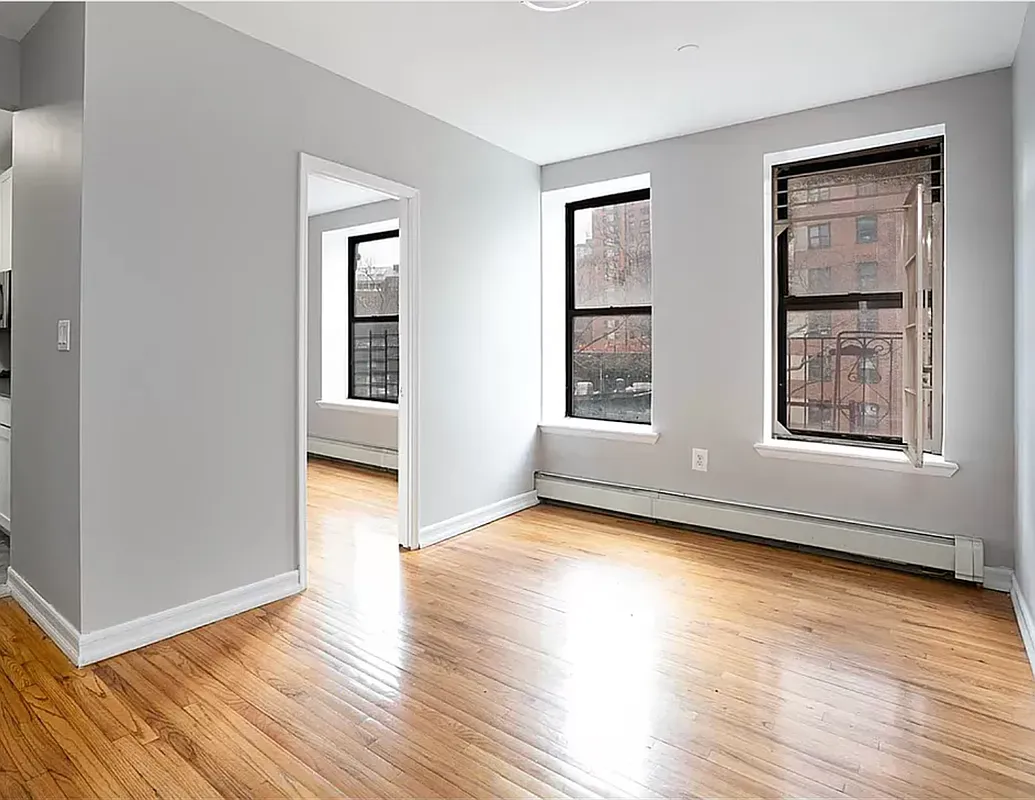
(866, 276)
(377, 278)
(819, 280)
(612, 255)
(860, 246)
(375, 361)
(844, 379)
(866, 229)
(820, 323)
(819, 236)
(611, 368)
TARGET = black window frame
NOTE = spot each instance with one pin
(786, 303)
(353, 244)
(571, 312)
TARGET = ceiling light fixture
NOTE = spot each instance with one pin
(553, 5)
(688, 48)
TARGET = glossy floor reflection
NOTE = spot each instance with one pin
(574, 653)
(553, 653)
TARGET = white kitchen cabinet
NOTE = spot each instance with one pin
(6, 225)
(5, 478)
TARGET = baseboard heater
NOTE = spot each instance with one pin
(365, 454)
(962, 556)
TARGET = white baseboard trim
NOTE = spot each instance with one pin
(357, 453)
(84, 649)
(998, 579)
(961, 555)
(1025, 621)
(62, 632)
(98, 645)
(463, 523)
(5, 591)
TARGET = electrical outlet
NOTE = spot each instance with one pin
(699, 459)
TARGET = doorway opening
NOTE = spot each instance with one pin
(358, 271)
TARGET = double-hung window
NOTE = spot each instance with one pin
(374, 316)
(858, 278)
(608, 307)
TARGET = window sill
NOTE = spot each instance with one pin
(363, 406)
(853, 456)
(597, 429)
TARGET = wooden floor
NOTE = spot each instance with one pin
(552, 653)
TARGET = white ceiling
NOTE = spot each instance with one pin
(17, 19)
(552, 86)
(327, 194)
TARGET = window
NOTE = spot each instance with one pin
(818, 194)
(866, 276)
(858, 342)
(820, 323)
(819, 280)
(609, 309)
(819, 236)
(374, 316)
(868, 320)
(866, 229)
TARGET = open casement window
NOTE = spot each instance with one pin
(858, 320)
(915, 374)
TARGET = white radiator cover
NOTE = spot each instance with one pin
(961, 555)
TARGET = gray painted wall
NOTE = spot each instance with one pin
(1024, 276)
(10, 74)
(6, 139)
(339, 425)
(708, 239)
(48, 137)
(188, 290)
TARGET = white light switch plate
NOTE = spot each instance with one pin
(64, 338)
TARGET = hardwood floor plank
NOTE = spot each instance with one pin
(164, 782)
(230, 775)
(97, 777)
(13, 742)
(107, 711)
(44, 787)
(11, 786)
(71, 711)
(43, 747)
(553, 653)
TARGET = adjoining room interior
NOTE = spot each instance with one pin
(354, 358)
(464, 424)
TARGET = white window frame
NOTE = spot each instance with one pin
(331, 305)
(829, 453)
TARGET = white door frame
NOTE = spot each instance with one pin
(409, 352)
